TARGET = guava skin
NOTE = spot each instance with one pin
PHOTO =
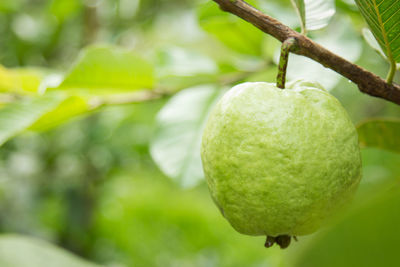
(280, 162)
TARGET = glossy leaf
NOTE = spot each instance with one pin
(383, 18)
(20, 251)
(108, 70)
(380, 133)
(18, 116)
(176, 146)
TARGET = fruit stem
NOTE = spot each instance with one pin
(289, 45)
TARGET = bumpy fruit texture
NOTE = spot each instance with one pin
(279, 162)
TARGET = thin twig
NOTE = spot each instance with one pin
(128, 98)
(366, 81)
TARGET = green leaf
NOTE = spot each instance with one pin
(380, 133)
(106, 69)
(176, 146)
(233, 32)
(383, 18)
(70, 107)
(20, 80)
(301, 12)
(7, 80)
(18, 116)
(367, 236)
(20, 251)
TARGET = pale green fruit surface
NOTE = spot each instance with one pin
(279, 162)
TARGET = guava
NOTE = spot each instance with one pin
(280, 162)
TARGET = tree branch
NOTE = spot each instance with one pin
(366, 81)
(128, 98)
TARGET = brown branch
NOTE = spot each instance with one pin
(366, 81)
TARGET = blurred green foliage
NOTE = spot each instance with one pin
(91, 186)
(185, 230)
(373, 230)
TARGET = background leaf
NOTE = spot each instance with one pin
(18, 116)
(176, 146)
(109, 69)
(20, 251)
(70, 107)
(383, 18)
(380, 133)
(235, 33)
(20, 80)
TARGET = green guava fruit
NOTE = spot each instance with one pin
(279, 162)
